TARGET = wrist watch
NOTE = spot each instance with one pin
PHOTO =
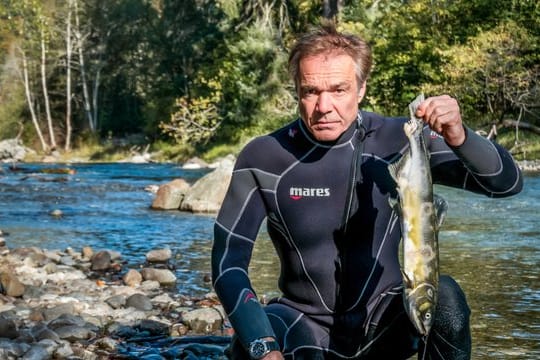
(260, 347)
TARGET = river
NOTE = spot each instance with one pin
(490, 246)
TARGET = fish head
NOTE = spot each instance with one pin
(421, 307)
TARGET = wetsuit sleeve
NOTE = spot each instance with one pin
(478, 165)
(235, 231)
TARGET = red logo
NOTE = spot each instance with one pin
(249, 296)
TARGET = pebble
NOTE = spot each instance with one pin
(84, 304)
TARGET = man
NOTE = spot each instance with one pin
(333, 228)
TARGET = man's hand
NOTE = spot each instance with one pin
(443, 116)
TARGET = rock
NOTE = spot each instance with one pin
(36, 352)
(56, 311)
(74, 333)
(8, 328)
(204, 320)
(132, 278)
(117, 301)
(101, 261)
(206, 195)
(139, 302)
(87, 252)
(163, 276)
(170, 195)
(11, 285)
(63, 314)
(12, 150)
(159, 255)
(194, 163)
(154, 327)
(41, 332)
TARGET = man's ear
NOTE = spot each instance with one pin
(361, 92)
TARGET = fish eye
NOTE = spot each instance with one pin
(430, 292)
(427, 316)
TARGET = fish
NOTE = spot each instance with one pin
(421, 215)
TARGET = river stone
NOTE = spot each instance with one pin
(87, 252)
(36, 352)
(65, 320)
(11, 285)
(101, 261)
(159, 255)
(12, 149)
(170, 195)
(116, 301)
(107, 343)
(204, 320)
(154, 327)
(8, 328)
(163, 276)
(63, 350)
(74, 333)
(139, 302)
(41, 332)
(58, 310)
(132, 278)
(12, 350)
(206, 195)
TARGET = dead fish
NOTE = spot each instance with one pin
(421, 215)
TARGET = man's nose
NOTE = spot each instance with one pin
(324, 103)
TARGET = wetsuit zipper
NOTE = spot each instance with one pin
(356, 177)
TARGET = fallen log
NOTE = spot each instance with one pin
(521, 125)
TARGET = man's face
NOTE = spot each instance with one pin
(329, 94)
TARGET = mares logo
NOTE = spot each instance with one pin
(298, 193)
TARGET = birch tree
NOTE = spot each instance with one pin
(43, 31)
(69, 50)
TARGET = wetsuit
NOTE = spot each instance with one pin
(337, 238)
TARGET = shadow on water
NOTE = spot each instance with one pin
(490, 246)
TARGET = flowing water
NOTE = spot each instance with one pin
(490, 246)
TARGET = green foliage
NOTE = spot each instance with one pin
(213, 73)
(494, 75)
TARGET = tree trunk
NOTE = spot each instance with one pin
(30, 102)
(45, 90)
(86, 96)
(330, 8)
(67, 144)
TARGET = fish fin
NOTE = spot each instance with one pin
(406, 280)
(394, 167)
(441, 207)
(394, 204)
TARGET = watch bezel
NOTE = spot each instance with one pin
(260, 347)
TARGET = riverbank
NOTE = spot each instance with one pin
(85, 305)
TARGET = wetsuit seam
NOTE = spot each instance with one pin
(221, 274)
(286, 228)
(237, 219)
(389, 228)
(492, 192)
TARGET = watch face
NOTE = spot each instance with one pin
(258, 349)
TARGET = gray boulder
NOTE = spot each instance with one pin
(206, 195)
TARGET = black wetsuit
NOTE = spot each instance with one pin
(340, 273)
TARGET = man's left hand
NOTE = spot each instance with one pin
(443, 116)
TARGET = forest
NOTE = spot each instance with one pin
(203, 76)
